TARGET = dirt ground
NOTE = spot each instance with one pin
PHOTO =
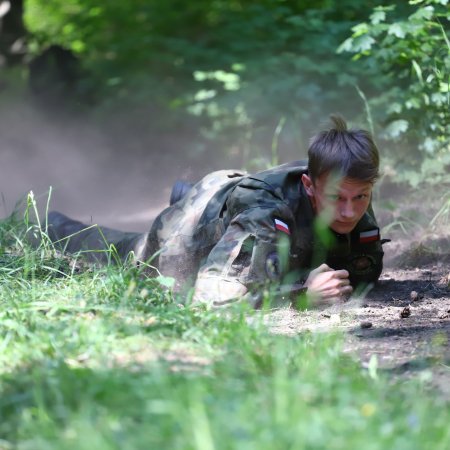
(404, 321)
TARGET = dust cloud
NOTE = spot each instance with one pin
(99, 173)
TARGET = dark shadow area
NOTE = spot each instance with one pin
(400, 331)
(418, 365)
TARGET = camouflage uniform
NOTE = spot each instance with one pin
(234, 233)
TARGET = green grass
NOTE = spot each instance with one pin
(107, 359)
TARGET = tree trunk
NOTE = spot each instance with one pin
(12, 32)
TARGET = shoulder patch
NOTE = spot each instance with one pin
(281, 226)
(369, 236)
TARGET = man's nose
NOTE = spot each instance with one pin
(347, 210)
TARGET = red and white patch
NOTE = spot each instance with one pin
(281, 226)
(369, 236)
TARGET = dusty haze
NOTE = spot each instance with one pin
(96, 177)
(113, 173)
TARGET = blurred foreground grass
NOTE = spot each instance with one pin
(106, 359)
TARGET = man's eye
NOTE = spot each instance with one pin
(361, 197)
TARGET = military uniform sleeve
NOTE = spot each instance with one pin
(253, 252)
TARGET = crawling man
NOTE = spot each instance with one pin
(302, 226)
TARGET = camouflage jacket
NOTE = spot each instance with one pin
(235, 233)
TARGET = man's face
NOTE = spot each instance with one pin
(341, 202)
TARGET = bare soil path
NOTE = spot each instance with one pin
(404, 321)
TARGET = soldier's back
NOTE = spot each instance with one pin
(183, 232)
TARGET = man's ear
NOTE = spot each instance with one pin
(308, 184)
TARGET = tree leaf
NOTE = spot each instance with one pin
(444, 87)
(346, 46)
(396, 128)
(363, 43)
(360, 29)
(397, 29)
(377, 17)
(421, 14)
(394, 108)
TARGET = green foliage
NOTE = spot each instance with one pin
(226, 73)
(412, 53)
(237, 68)
(283, 73)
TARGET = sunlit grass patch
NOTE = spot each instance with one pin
(108, 358)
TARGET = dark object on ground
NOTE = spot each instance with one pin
(415, 296)
(405, 312)
(366, 324)
(179, 190)
(54, 74)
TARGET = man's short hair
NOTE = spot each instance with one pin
(348, 153)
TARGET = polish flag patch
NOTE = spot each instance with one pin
(369, 236)
(281, 226)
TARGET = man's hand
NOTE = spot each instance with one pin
(328, 284)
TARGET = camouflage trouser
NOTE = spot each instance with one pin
(97, 244)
